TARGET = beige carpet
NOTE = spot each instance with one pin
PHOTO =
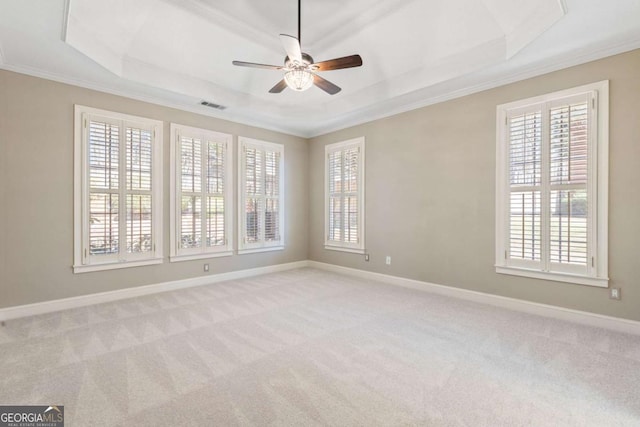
(307, 347)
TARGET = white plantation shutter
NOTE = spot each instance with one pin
(201, 174)
(190, 193)
(118, 194)
(218, 198)
(253, 191)
(104, 178)
(344, 187)
(549, 219)
(525, 183)
(569, 169)
(336, 230)
(272, 196)
(139, 197)
(260, 202)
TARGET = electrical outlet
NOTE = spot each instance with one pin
(388, 260)
(614, 293)
(366, 257)
(206, 267)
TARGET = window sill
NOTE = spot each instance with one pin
(114, 265)
(258, 250)
(557, 277)
(179, 258)
(343, 249)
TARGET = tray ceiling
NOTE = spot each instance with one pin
(415, 52)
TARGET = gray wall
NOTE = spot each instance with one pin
(429, 180)
(36, 193)
(430, 192)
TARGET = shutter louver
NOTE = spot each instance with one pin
(190, 224)
(569, 144)
(103, 224)
(525, 149)
(525, 225)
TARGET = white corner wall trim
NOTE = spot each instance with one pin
(576, 316)
(120, 294)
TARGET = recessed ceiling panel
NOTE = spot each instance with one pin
(414, 51)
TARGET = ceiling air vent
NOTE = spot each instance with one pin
(212, 105)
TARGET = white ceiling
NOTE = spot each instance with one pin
(415, 52)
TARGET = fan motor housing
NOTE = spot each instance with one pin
(306, 60)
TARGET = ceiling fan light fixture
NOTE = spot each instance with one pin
(300, 69)
(299, 79)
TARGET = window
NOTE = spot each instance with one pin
(118, 190)
(344, 196)
(201, 193)
(261, 186)
(552, 168)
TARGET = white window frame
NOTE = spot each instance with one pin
(180, 254)
(359, 247)
(262, 246)
(82, 261)
(597, 188)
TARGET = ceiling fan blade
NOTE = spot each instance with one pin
(279, 87)
(325, 85)
(339, 63)
(254, 65)
(292, 47)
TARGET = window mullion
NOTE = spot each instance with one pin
(545, 192)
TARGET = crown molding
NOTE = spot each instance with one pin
(157, 100)
(404, 104)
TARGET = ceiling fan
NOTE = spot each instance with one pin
(300, 72)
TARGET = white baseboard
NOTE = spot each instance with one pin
(552, 311)
(576, 316)
(102, 297)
